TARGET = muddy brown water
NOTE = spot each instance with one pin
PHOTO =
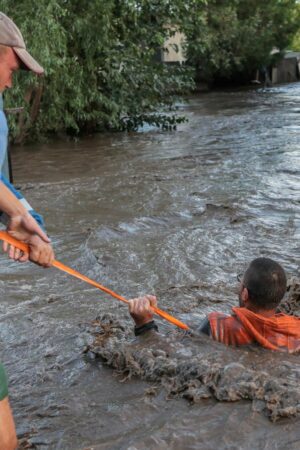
(176, 214)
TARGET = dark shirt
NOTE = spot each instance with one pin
(203, 328)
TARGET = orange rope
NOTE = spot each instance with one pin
(4, 236)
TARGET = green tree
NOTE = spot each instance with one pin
(295, 45)
(237, 36)
(100, 60)
(296, 42)
(102, 69)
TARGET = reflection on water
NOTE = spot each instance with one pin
(178, 214)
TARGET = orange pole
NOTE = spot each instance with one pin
(4, 236)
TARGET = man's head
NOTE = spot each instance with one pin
(13, 53)
(263, 285)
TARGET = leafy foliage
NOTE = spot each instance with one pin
(236, 37)
(296, 42)
(101, 65)
(102, 69)
(295, 45)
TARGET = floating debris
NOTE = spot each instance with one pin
(185, 367)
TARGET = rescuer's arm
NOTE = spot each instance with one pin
(24, 202)
(8, 438)
(22, 226)
(142, 314)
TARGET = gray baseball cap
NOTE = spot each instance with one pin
(11, 36)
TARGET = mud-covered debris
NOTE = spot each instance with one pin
(198, 374)
(291, 302)
(24, 440)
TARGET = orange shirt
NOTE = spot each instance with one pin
(279, 332)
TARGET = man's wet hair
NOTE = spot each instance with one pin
(265, 280)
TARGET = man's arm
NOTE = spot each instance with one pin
(13, 252)
(141, 311)
(8, 438)
(23, 226)
(24, 202)
(9, 204)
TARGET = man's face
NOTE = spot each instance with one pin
(8, 65)
(241, 287)
(243, 293)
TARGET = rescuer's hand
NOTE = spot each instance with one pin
(40, 253)
(25, 228)
(141, 309)
(15, 253)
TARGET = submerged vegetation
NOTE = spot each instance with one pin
(102, 58)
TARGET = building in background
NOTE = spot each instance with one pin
(287, 69)
(173, 49)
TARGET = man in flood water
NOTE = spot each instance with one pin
(254, 321)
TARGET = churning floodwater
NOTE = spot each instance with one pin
(177, 214)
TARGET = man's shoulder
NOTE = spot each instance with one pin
(216, 315)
